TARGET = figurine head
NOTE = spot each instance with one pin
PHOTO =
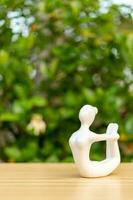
(87, 114)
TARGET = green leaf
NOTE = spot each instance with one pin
(7, 116)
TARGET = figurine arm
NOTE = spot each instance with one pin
(103, 137)
(111, 133)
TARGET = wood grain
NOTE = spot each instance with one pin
(62, 182)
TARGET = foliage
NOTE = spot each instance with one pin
(56, 56)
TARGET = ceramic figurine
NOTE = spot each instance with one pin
(80, 143)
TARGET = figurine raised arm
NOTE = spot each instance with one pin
(80, 143)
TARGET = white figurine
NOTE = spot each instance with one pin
(81, 141)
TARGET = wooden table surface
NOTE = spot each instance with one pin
(62, 182)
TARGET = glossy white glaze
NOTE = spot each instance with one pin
(80, 143)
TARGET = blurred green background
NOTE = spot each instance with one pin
(56, 56)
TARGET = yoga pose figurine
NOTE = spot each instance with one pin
(81, 141)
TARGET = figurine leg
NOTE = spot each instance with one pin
(112, 148)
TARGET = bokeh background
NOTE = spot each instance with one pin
(56, 56)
